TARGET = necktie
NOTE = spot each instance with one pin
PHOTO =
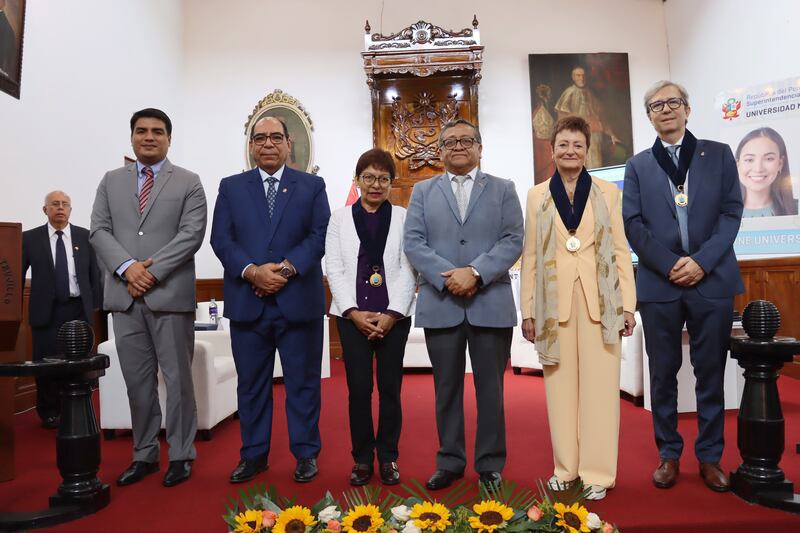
(62, 271)
(272, 193)
(461, 195)
(147, 186)
(673, 153)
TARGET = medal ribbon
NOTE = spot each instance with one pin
(375, 244)
(571, 214)
(677, 175)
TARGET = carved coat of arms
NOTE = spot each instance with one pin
(416, 128)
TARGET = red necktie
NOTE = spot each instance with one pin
(147, 186)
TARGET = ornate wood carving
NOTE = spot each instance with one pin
(420, 78)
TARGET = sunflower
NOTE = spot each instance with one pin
(491, 515)
(362, 519)
(249, 521)
(294, 520)
(572, 518)
(430, 515)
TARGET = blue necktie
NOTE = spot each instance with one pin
(62, 271)
(682, 212)
(272, 193)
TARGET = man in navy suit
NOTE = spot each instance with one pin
(682, 208)
(65, 285)
(269, 233)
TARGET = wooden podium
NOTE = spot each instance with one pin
(11, 285)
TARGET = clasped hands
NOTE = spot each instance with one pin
(139, 279)
(686, 272)
(461, 282)
(265, 279)
(529, 327)
(371, 324)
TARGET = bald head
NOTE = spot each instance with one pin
(57, 208)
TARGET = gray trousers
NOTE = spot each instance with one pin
(147, 340)
(489, 350)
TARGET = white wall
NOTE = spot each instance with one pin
(721, 45)
(311, 50)
(87, 65)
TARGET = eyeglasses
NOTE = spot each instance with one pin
(466, 142)
(658, 105)
(369, 179)
(58, 204)
(260, 138)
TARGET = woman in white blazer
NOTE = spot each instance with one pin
(373, 288)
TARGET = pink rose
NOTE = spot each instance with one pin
(608, 528)
(333, 525)
(268, 519)
(392, 530)
(534, 513)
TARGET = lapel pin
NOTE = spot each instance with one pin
(76, 248)
(285, 190)
(702, 154)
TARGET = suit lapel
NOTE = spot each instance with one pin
(698, 183)
(444, 184)
(662, 184)
(286, 188)
(46, 250)
(255, 189)
(477, 190)
(163, 176)
(132, 188)
(77, 253)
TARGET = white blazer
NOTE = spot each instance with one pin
(341, 261)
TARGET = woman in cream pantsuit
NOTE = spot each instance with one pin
(577, 297)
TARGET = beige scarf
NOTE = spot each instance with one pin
(546, 297)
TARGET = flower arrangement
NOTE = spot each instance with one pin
(497, 508)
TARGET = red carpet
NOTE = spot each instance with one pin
(196, 506)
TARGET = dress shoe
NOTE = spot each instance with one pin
(714, 478)
(306, 470)
(489, 477)
(361, 474)
(51, 422)
(666, 474)
(442, 479)
(247, 469)
(178, 472)
(390, 473)
(136, 472)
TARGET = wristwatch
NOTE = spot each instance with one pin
(286, 271)
(475, 272)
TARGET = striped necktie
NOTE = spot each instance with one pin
(147, 186)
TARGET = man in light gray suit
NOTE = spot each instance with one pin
(148, 221)
(463, 232)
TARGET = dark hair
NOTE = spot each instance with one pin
(279, 119)
(380, 159)
(783, 202)
(456, 122)
(152, 112)
(571, 123)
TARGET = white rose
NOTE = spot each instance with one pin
(410, 527)
(329, 513)
(593, 521)
(401, 513)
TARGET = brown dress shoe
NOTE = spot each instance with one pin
(666, 474)
(714, 478)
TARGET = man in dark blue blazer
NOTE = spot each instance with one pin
(269, 233)
(682, 208)
(60, 292)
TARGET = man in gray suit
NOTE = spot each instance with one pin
(148, 221)
(463, 232)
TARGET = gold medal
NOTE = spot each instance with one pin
(376, 280)
(681, 199)
(573, 243)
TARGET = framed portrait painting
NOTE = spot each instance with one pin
(12, 24)
(288, 109)
(593, 86)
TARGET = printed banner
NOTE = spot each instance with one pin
(762, 126)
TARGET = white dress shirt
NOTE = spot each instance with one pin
(468, 183)
(74, 290)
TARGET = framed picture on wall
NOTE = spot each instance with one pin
(593, 86)
(282, 106)
(12, 24)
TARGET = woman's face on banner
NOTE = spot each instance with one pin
(760, 163)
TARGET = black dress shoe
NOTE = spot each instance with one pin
(361, 474)
(442, 479)
(390, 473)
(306, 470)
(490, 478)
(247, 469)
(51, 422)
(136, 472)
(178, 472)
